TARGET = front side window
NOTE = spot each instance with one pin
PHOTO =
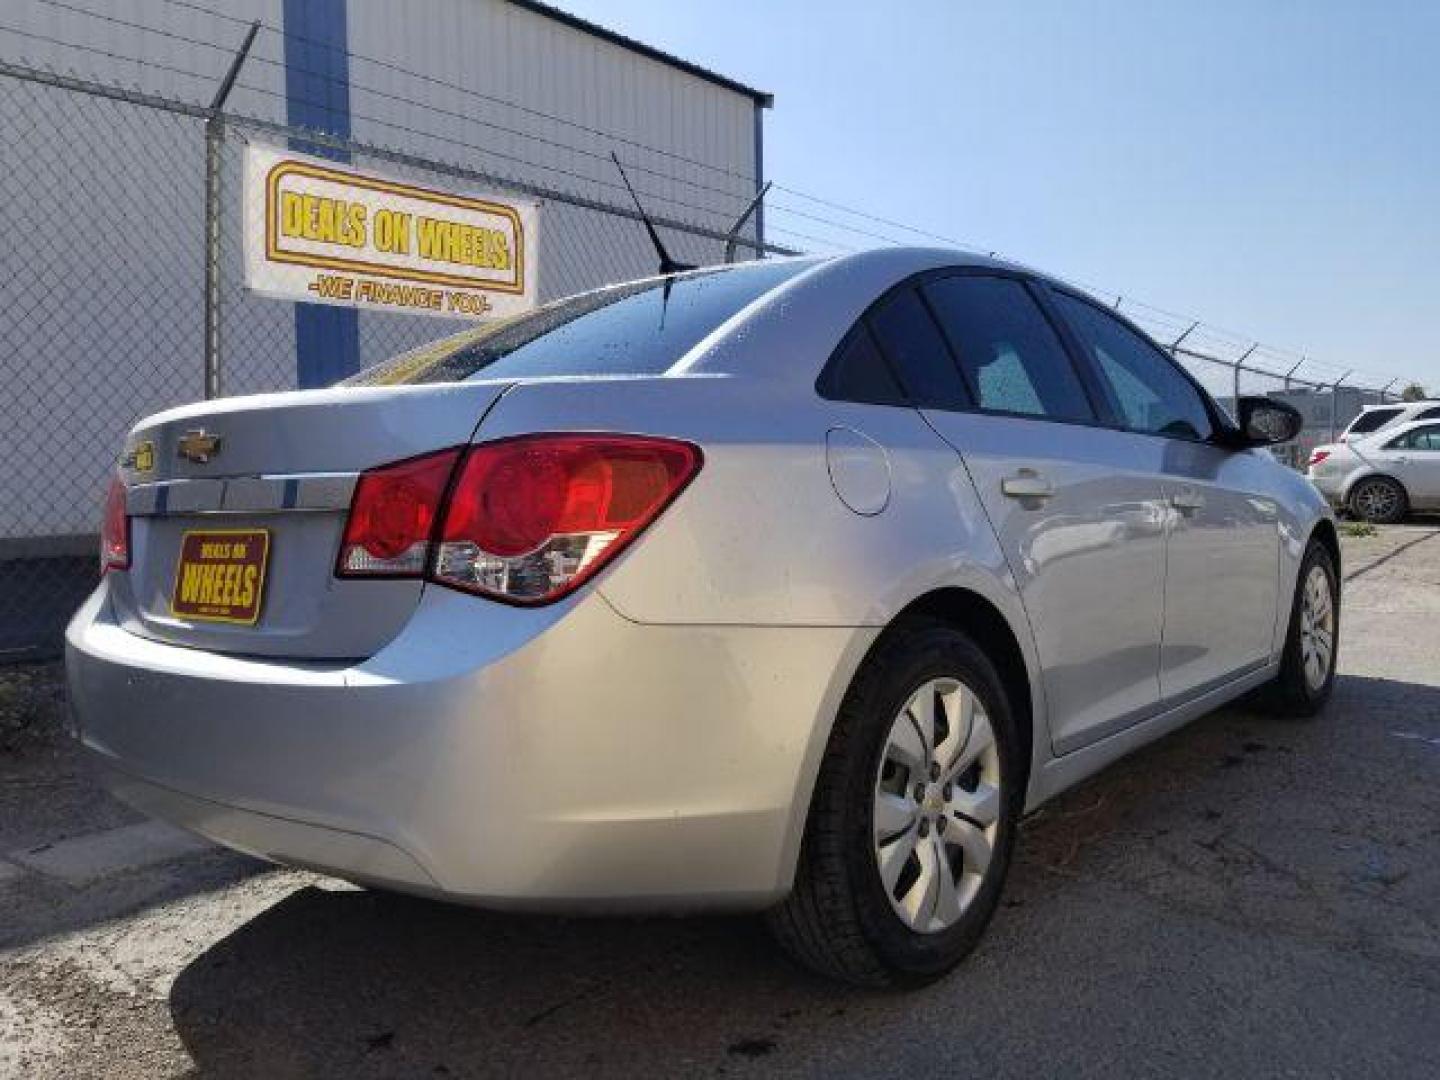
(642, 328)
(1149, 392)
(1421, 438)
(1372, 420)
(1008, 353)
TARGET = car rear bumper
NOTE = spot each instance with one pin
(1330, 485)
(553, 758)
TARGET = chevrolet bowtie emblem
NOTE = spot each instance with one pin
(198, 446)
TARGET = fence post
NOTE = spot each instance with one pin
(734, 232)
(1239, 363)
(1291, 373)
(1335, 401)
(214, 147)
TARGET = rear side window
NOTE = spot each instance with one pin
(1429, 414)
(1372, 420)
(1008, 353)
(638, 329)
(1148, 390)
(857, 372)
(911, 341)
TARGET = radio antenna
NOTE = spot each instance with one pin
(667, 264)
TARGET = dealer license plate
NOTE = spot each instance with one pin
(220, 576)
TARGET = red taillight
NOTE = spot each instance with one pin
(526, 520)
(1317, 456)
(531, 518)
(393, 515)
(115, 529)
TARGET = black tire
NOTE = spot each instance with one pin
(1379, 500)
(838, 920)
(1292, 693)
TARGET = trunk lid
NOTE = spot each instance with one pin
(270, 478)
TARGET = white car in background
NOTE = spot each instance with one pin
(1380, 417)
(1383, 475)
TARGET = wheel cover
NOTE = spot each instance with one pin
(1317, 627)
(936, 805)
(1376, 499)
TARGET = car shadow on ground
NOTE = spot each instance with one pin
(1241, 820)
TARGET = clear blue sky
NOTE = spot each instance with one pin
(1272, 167)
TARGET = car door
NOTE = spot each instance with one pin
(1414, 459)
(1222, 522)
(1082, 531)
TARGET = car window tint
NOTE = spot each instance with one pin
(1372, 420)
(1007, 351)
(1423, 438)
(1149, 391)
(857, 372)
(641, 328)
(1428, 414)
(911, 341)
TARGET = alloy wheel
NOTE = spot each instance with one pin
(1377, 500)
(936, 805)
(1317, 627)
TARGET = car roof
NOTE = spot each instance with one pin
(899, 261)
(923, 257)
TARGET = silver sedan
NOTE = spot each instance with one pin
(784, 587)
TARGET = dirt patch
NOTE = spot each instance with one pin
(47, 790)
(32, 706)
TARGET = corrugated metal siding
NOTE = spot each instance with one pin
(157, 61)
(506, 53)
(492, 48)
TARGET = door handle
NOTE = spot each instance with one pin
(1027, 484)
(1187, 502)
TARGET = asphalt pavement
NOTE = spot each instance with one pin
(1252, 896)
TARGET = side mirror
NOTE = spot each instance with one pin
(1263, 421)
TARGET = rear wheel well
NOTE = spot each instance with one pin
(1404, 491)
(982, 621)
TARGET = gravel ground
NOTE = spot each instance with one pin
(1251, 896)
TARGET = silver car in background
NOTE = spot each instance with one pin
(1383, 475)
(784, 587)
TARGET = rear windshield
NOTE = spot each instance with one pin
(1372, 420)
(638, 329)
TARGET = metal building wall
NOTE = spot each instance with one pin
(602, 96)
(184, 61)
(495, 48)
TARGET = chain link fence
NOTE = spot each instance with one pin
(112, 265)
(103, 206)
(1231, 368)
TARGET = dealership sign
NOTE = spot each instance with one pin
(325, 233)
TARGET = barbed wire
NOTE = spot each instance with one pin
(399, 69)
